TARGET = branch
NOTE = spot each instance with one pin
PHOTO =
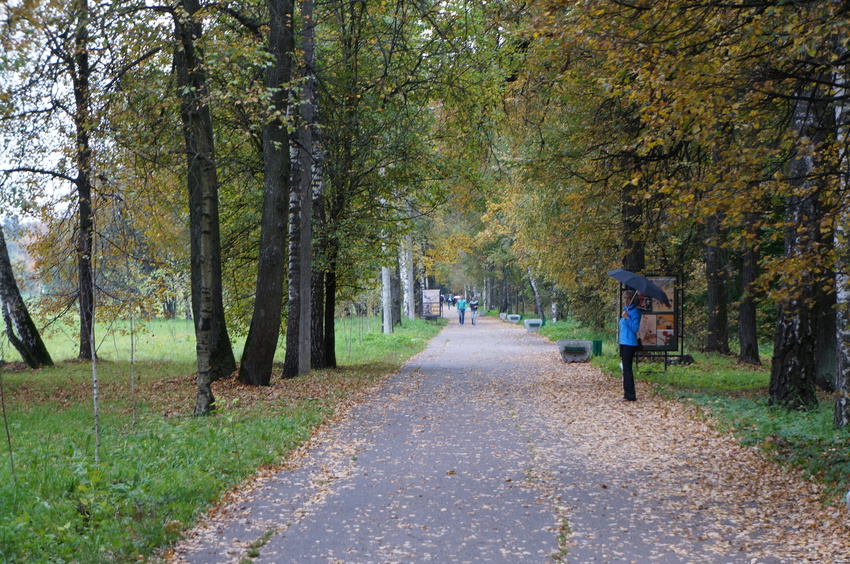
(126, 68)
(46, 172)
(27, 113)
(254, 26)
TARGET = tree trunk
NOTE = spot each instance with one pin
(85, 228)
(299, 327)
(407, 276)
(634, 257)
(291, 362)
(307, 181)
(841, 413)
(20, 329)
(747, 321)
(387, 299)
(202, 184)
(538, 305)
(825, 330)
(491, 286)
(717, 339)
(318, 219)
(257, 361)
(505, 298)
(330, 309)
(317, 330)
(318, 357)
(395, 294)
(792, 377)
(215, 356)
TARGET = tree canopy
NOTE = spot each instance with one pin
(515, 143)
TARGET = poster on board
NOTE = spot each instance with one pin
(431, 304)
(658, 330)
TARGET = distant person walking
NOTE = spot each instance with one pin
(461, 309)
(629, 324)
(473, 307)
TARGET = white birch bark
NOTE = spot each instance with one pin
(792, 376)
(842, 251)
(842, 284)
(20, 328)
(387, 299)
(307, 168)
(405, 260)
(538, 306)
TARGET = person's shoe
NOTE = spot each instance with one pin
(627, 399)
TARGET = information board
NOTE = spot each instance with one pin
(431, 306)
(658, 323)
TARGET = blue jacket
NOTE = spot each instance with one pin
(629, 327)
(461, 304)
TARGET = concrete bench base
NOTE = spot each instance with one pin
(513, 318)
(574, 350)
(533, 324)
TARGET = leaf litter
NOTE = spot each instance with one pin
(609, 471)
(696, 483)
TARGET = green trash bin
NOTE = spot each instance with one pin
(596, 348)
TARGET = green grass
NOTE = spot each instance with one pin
(571, 329)
(359, 339)
(154, 479)
(733, 397)
(164, 340)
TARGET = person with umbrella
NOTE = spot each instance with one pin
(629, 324)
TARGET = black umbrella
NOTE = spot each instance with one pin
(639, 283)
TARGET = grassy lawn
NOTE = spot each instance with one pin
(734, 397)
(159, 467)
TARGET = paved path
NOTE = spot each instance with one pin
(486, 448)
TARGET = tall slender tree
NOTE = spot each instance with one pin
(261, 344)
(747, 323)
(214, 353)
(80, 72)
(717, 302)
(841, 244)
(792, 377)
(299, 332)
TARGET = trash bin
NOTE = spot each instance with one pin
(596, 348)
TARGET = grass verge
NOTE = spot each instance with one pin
(156, 476)
(733, 397)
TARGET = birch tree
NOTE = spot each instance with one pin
(59, 60)
(299, 333)
(841, 412)
(214, 353)
(792, 377)
(20, 328)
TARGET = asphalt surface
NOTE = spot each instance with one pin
(457, 458)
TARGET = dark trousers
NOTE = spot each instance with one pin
(627, 355)
(460, 315)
